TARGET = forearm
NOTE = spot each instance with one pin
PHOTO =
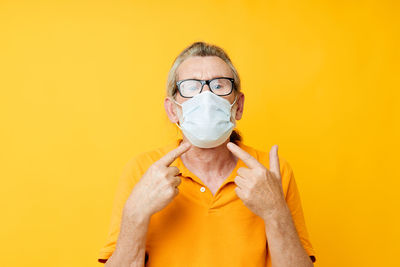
(131, 244)
(283, 241)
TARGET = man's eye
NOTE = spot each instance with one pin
(217, 86)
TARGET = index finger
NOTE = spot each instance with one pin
(168, 158)
(248, 159)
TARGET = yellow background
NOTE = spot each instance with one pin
(82, 86)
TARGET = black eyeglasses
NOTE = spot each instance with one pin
(220, 86)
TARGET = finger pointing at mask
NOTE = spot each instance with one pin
(157, 187)
(260, 189)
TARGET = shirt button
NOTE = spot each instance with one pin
(202, 189)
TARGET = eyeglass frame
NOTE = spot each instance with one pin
(203, 82)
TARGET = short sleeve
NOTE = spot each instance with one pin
(294, 203)
(131, 174)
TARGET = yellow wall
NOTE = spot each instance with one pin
(82, 85)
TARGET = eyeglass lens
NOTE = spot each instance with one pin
(220, 86)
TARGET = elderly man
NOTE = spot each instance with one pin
(207, 199)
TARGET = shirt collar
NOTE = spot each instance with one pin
(185, 172)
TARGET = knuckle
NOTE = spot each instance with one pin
(176, 192)
(237, 191)
(174, 168)
(170, 183)
(241, 170)
(170, 190)
(262, 171)
(162, 172)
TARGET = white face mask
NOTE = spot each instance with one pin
(206, 119)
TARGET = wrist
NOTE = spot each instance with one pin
(136, 216)
(279, 211)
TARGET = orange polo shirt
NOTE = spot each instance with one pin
(199, 229)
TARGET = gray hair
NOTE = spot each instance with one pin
(201, 49)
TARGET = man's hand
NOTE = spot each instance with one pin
(157, 187)
(260, 189)
(155, 190)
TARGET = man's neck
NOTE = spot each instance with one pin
(215, 162)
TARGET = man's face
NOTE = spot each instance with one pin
(203, 68)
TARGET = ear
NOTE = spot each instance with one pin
(240, 103)
(170, 108)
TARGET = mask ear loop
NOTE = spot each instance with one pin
(173, 100)
(234, 101)
(235, 110)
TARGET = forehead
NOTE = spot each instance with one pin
(203, 68)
